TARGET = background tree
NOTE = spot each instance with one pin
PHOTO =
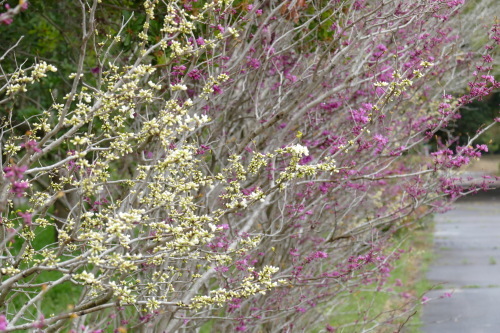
(472, 118)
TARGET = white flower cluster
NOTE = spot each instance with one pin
(119, 226)
(249, 287)
(299, 150)
(19, 79)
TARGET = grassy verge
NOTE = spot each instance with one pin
(371, 309)
(415, 269)
(59, 298)
(404, 288)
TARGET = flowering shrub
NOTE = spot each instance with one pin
(8, 16)
(243, 164)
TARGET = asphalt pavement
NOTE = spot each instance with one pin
(467, 267)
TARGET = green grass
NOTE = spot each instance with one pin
(207, 327)
(423, 241)
(410, 270)
(476, 286)
(58, 299)
(472, 286)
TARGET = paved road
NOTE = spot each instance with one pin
(467, 264)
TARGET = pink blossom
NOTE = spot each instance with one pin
(405, 295)
(487, 58)
(381, 140)
(180, 68)
(291, 78)
(321, 254)
(216, 90)
(27, 218)
(18, 188)
(253, 63)
(482, 147)
(202, 150)
(31, 145)
(359, 116)
(330, 328)
(488, 78)
(446, 295)
(40, 323)
(15, 172)
(195, 74)
(4, 19)
(241, 328)
(200, 41)
(3, 323)
(221, 269)
(454, 3)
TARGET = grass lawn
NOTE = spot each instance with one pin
(405, 287)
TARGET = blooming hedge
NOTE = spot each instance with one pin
(226, 163)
